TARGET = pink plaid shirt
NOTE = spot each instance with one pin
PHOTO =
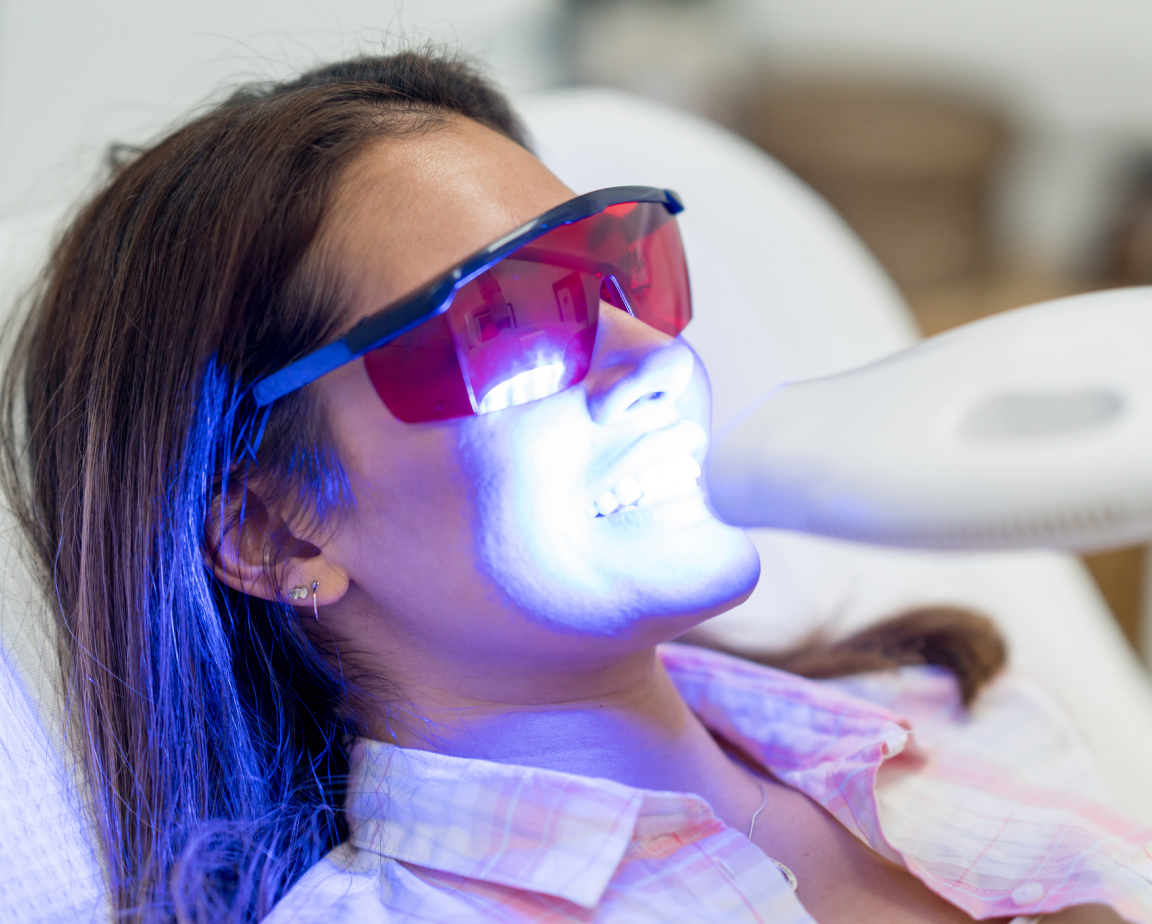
(997, 810)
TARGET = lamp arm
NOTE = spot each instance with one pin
(1031, 428)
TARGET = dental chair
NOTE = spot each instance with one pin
(782, 291)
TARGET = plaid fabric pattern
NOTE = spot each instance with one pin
(996, 809)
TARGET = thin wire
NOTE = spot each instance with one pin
(788, 874)
(756, 814)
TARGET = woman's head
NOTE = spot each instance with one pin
(477, 536)
(255, 233)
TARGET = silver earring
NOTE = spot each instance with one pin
(298, 593)
(315, 611)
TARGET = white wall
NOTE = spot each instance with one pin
(1077, 74)
(78, 74)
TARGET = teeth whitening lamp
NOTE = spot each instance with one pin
(1031, 428)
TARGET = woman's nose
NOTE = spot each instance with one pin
(633, 367)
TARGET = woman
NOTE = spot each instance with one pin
(426, 585)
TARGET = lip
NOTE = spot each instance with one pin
(683, 438)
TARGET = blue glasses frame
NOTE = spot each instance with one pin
(434, 299)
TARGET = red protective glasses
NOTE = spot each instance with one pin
(516, 321)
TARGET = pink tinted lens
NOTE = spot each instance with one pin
(645, 257)
(525, 328)
(418, 376)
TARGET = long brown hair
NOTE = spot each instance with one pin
(212, 733)
(965, 643)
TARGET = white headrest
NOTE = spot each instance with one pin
(49, 873)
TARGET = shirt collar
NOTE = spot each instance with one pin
(565, 835)
(523, 827)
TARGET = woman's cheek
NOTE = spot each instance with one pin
(531, 522)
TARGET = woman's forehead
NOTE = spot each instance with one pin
(416, 204)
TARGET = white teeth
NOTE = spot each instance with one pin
(628, 491)
(649, 485)
(606, 503)
(672, 477)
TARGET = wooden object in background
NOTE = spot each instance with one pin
(1120, 576)
(1130, 256)
(908, 168)
(945, 305)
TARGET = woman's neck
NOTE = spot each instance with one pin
(627, 723)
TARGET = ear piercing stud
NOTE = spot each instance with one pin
(299, 593)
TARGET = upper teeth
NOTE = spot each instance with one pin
(650, 484)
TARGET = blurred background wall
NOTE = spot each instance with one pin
(991, 152)
(78, 74)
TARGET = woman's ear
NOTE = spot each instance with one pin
(253, 547)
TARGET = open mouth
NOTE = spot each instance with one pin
(648, 485)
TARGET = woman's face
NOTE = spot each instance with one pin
(480, 535)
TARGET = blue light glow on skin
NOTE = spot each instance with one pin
(540, 468)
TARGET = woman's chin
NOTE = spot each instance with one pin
(672, 562)
(668, 588)
(705, 563)
(722, 577)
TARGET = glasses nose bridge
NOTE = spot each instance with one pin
(611, 291)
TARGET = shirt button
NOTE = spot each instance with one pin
(1028, 894)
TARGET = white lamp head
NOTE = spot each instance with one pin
(1028, 428)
